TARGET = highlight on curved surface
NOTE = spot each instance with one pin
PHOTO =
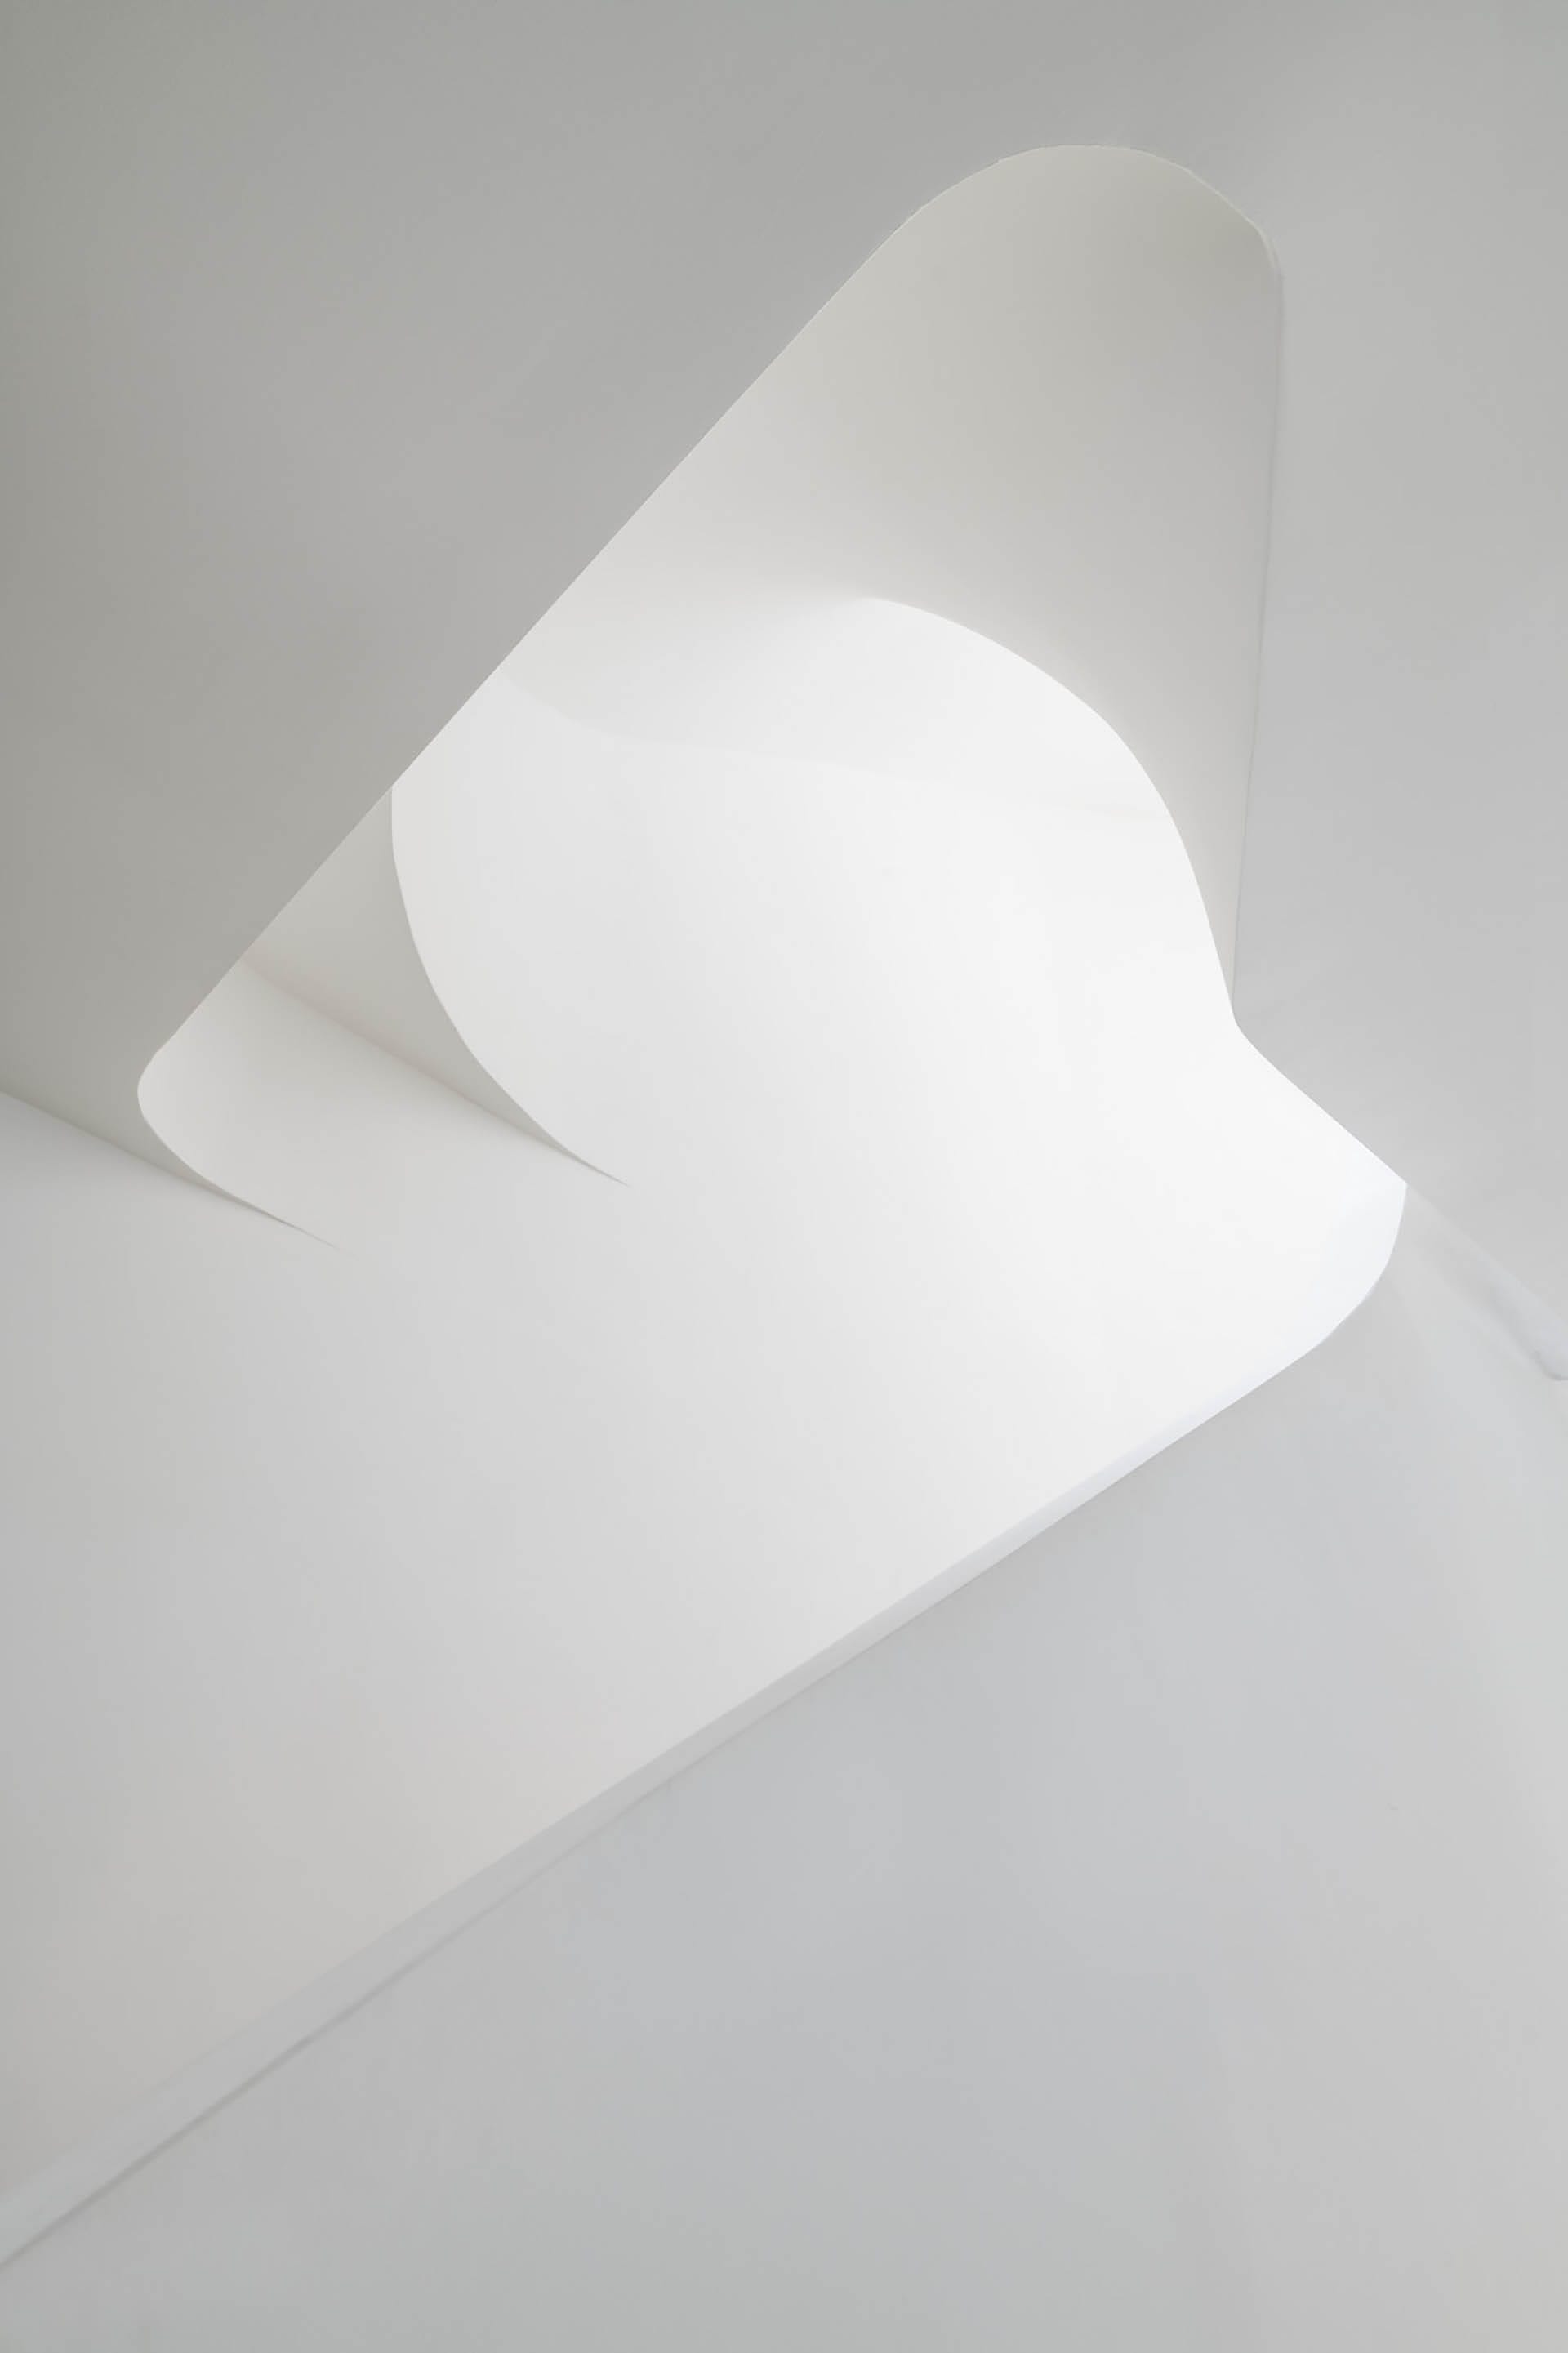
(786, 837)
(313, 547)
(1044, 409)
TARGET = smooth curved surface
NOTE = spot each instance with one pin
(746, 879)
(342, 342)
(874, 960)
(343, 946)
(828, 923)
(1154, 1945)
(358, 434)
(1044, 410)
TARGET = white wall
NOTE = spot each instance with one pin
(1160, 1942)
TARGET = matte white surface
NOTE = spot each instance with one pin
(1020, 418)
(342, 342)
(335, 1573)
(1160, 1942)
(871, 961)
(342, 346)
(381, 991)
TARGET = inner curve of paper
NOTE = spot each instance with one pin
(798, 887)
